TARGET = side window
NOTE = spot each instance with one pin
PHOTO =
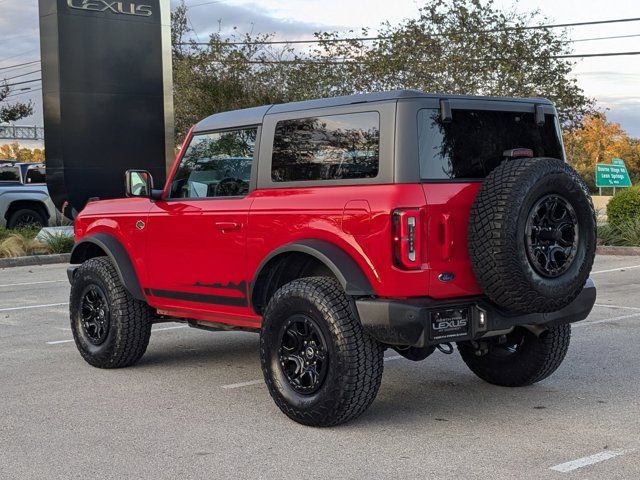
(9, 173)
(36, 175)
(216, 165)
(332, 147)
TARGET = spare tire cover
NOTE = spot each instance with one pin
(532, 235)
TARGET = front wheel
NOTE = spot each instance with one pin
(320, 366)
(520, 358)
(110, 327)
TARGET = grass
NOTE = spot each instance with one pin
(21, 242)
(624, 234)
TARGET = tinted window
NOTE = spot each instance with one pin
(36, 175)
(473, 143)
(216, 165)
(326, 148)
(9, 173)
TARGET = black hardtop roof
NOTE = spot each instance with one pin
(255, 116)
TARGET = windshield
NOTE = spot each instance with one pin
(472, 144)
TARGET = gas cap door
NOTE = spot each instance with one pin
(356, 217)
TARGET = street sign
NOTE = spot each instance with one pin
(614, 175)
(617, 161)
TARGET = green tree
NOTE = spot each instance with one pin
(454, 46)
(12, 111)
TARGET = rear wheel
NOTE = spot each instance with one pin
(520, 358)
(320, 366)
(110, 327)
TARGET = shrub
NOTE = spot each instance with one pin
(626, 233)
(16, 245)
(624, 206)
(27, 232)
(59, 243)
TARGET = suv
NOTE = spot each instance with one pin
(24, 198)
(338, 228)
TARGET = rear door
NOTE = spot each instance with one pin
(197, 236)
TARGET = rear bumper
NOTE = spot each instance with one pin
(416, 322)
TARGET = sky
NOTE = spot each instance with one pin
(613, 81)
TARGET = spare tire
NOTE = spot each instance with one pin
(532, 235)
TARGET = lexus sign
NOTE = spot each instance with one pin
(120, 8)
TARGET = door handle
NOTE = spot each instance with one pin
(227, 226)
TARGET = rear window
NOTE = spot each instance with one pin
(9, 173)
(332, 147)
(472, 144)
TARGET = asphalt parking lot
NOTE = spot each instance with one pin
(196, 407)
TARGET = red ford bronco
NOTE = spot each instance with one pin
(338, 228)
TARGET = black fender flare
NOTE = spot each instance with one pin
(345, 268)
(117, 254)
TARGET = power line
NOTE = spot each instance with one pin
(604, 38)
(587, 55)
(17, 94)
(361, 62)
(205, 3)
(442, 34)
(10, 67)
(21, 83)
(22, 75)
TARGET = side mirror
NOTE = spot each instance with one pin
(139, 183)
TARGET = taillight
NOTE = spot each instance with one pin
(407, 239)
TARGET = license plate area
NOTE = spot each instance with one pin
(450, 324)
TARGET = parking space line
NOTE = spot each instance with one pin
(616, 306)
(243, 384)
(395, 357)
(28, 307)
(163, 329)
(631, 267)
(32, 283)
(587, 461)
(58, 342)
(257, 382)
(607, 320)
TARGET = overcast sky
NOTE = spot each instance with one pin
(613, 81)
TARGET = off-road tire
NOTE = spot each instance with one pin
(355, 359)
(538, 358)
(497, 225)
(129, 319)
(16, 218)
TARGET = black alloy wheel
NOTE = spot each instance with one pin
(303, 354)
(552, 235)
(95, 313)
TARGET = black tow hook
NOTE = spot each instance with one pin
(445, 348)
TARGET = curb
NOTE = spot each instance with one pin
(34, 260)
(603, 250)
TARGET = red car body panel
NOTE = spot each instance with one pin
(214, 247)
